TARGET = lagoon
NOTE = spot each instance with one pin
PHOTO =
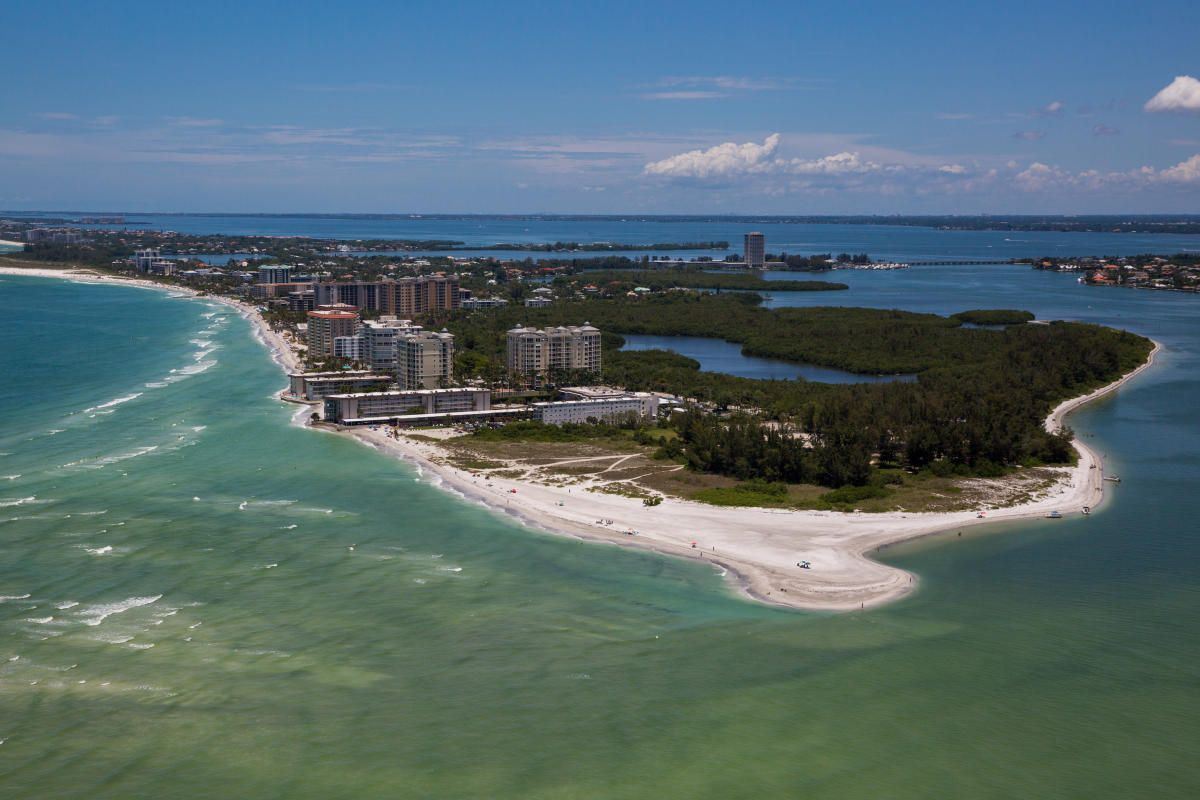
(717, 355)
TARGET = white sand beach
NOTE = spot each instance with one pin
(758, 550)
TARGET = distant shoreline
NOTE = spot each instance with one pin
(758, 550)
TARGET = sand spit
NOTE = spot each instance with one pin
(758, 550)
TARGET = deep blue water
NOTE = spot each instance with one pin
(881, 241)
(717, 355)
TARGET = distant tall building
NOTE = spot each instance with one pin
(276, 274)
(425, 360)
(326, 325)
(755, 250)
(142, 259)
(536, 353)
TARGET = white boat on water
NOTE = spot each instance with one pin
(1112, 478)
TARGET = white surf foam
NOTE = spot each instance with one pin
(95, 614)
(112, 403)
(20, 501)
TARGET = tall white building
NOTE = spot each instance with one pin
(755, 250)
(379, 338)
(537, 353)
(425, 360)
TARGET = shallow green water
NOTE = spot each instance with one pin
(284, 613)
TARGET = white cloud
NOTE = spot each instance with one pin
(722, 160)
(864, 168)
(729, 83)
(1054, 107)
(1181, 94)
(683, 95)
(1038, 177)
(1183, 172)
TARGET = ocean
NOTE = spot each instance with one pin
(200, 598)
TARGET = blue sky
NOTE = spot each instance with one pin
(697, 107)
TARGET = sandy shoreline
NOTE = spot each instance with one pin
(758, 550)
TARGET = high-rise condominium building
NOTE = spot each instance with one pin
(537, 353)
(403, 297)
(325, 325)
(425, 360)
(756, 250)
(276, 274)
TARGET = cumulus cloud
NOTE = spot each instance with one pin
(1183, 172)
(761, 165)
(721, 160)
(1181, 94)
(1038, 177)
(1051, 108)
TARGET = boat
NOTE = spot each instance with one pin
(1054, 515)
(1087, 510)
(1112, 478)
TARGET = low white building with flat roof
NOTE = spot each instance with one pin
(350, 409)
(598, 409)
(314, 386)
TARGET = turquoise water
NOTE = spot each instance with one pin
(717, 355)
(287, 614)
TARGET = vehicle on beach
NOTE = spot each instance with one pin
(1054, 515)
(1087, 510)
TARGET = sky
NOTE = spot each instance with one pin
(605, 107)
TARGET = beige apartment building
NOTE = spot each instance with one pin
(327, 324)
(425, 360)
(536, 353)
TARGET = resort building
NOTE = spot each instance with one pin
(362, 407)
(379, 339)
(537, 353)
(537, 302)
(407, 297)
(276, 274)
(327, 324)
(755, 250)
(607, 407)
(313, 386)
(404, 297)
(348, 347)
(149, 261)
(303, 300)
(269, 291)
(478, 303)
(425, 360)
